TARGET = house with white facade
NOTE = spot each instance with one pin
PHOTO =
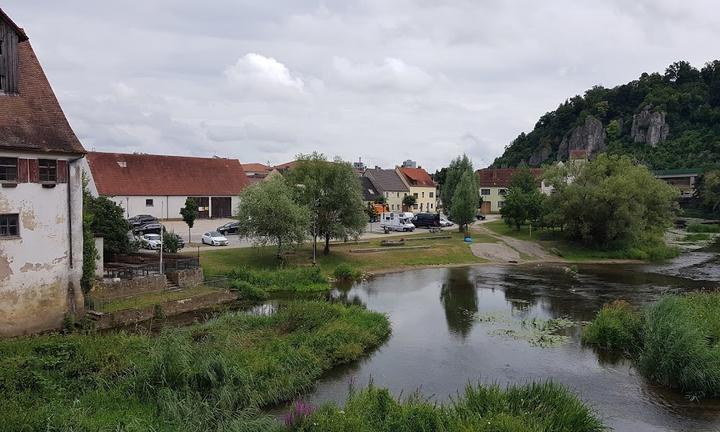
(390, 185)
(41, 243)
(494, 184)
(158, 185)
(421, 186)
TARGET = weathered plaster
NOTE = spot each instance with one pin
(5, 269)
(28, 218)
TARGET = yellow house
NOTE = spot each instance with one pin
(422, 186)
(494, 183)
(389, 183)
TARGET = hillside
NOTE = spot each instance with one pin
(669, 120)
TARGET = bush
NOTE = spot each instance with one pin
(171, 242)
(703, 228)
(528, 408)
(298, 279)
(248, 292)
(695, 237)
(616, 326)
(346, 272)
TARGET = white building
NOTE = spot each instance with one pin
(158, 185)
(41, 243)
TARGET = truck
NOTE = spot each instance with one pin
(394, 221)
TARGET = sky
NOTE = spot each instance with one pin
(385, 81)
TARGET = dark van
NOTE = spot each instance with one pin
(426, 220)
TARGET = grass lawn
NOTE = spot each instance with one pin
(570, 251)
(441, 252)
(149, 299)
(205, 377)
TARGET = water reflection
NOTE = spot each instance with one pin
(460, 301)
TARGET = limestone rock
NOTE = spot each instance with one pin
(589, 137)
(540, 155)
(649, 127)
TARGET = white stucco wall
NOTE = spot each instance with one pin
(164, 207)
(40, 270)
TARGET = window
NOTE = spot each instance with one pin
(48, 170)
(431, 206)
(423, 194)
(502, 192)
(8, 169)
(9, 226)
(432, 194)
(484, 191)
(149, 203)
(415, 195)
(398, 195)
(501, 204)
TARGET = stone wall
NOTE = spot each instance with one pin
(186, 278)
(108, 289)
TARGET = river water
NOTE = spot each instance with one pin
(450, 329)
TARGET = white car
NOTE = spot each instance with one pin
(444, 222)
(151, 241)
(214, 238)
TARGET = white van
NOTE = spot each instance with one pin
(397, 222)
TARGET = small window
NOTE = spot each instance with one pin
(501, 204)
(47, 169)
(431, 206)
(502, 191)
(484, 191)
(8, 169)
(432, 194)
(423, 194)
(398, 195)
(149, 203)
(9, 226)
(415, 195)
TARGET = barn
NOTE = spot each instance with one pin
(158, 185)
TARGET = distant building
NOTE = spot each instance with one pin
(389, 183)
(256, 172)
(158, 185)
(369, 191)
(422, 186)
(494, 183)
(409, 164)
(41, 236)
(359, 166)
(682, 178)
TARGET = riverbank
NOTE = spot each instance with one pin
(210, 376)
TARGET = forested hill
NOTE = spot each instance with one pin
(669, 120)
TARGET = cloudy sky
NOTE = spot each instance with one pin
(385, 80)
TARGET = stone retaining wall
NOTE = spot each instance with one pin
(108, 289)
(186, 278)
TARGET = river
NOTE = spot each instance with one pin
(450, 328)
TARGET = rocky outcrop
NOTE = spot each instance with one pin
(649, 127)
(590, 136)
(540, 155)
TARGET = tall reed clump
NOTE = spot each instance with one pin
(212, 376)
(528, 408)
(296, 279)
(675, 342)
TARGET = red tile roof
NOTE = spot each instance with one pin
(256, 168)
(32, 119)
(144, 175)
(500, 177)
(418, 177)
(286, 166)
(576, 154)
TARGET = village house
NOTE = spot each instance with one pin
(158, 185)
(494, 183)
(682, 178)
(41, 236)
(369, 191)
(422, 186)
(389, 184)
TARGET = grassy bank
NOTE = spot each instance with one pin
(441, 251)
(529, 408)
(675, 342)
(553, 241)
(205, 377)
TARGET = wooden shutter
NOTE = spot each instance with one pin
(62, 171)
(22, 167)
(33, 171)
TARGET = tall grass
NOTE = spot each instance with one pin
(529, 408)
(703, 228)
(207, 377)
(675, 342)
(296, 279)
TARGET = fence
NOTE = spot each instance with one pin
(132, 266)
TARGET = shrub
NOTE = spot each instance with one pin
(346, 272)
(527, 408)
(248, 291)
(616, 326)
(299, 279)
(703, 228)
(697, 237)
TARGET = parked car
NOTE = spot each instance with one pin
(426, 220)
(214, 238)
(397, 222)
(180, 241)
(151, 228)
(229, 228)
(140, 220)
(445, 222)
(479, 216)
(151, 241)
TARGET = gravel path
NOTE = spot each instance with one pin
(508, 249)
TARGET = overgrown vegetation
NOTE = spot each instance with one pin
(675, 342)
(690, 99)
(295, 279)
(528, 408)
(703, 228)
(205, 377)
(346, 272)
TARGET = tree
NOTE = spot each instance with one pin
(409, 201)
(455, 171)
(523, 202)
(89, 249)
(268, 214)
(331, 191)
(465, 200)
(710, 190)
(107, 220)
(613, 201)
(189, 213)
